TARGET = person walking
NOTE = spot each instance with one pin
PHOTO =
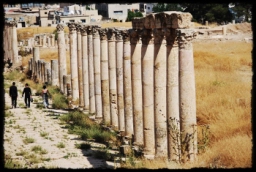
(28, 94)
(45, 96)
(13, 93)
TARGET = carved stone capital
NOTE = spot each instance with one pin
(119, 36)
(111, 34)
(147, 36)
(149, 21)
(95, 30)
(138, 23)
(83, 30)
(181, 20)
(185, 37)
(72, 27)
(136, 36)
(89, 30)
(159, 35)
(78, 27)
(126, 35)
(12, 24)
(103, 33)
(171, 37)
(60, 27)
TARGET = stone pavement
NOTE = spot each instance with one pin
(29, 123)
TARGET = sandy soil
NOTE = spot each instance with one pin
(30, 123)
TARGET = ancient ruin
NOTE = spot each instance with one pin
(139, 81)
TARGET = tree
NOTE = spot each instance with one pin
(131, 15)
(160, 7)
(208, 12)
(243, 9)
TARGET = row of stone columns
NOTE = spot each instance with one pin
(10, 42)
(140, 81)
(44, 40)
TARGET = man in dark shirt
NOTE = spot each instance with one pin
(27, 92)
(13, 92)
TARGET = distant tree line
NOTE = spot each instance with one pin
(212, 12)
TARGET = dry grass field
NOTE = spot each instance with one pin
(223, 98)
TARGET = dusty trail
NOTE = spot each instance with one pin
(34, 123)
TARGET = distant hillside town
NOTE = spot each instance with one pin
(43, 14)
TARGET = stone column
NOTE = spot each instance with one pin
(66, 81)
(91, 71)
(128, 108)
(39, 70)
(160, 93)
(14, 42)
(148, 90)
(53, 39)
(36, 57)
(44, 40)
(173, 115)
(85, 70)
(73, 61)
(97, 79)
(47, 71)
(104, 77)
(136, 52)
(49, 41)
(10, 52)
(79, 66)
(42, 71)
(112, 77)
(54, 73)
(120, 83)
(187, 94)
(62, 67)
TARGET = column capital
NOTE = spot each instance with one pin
(95, 30)
(159, 35)
(60, 27)
(83, 30)
(111, 34)
(147, 36)
(185, 37)
(103, 33)
(118, 35)
(78, 27)
(71, 26)
(126, 35)
(89, 30)
(135, 36)
(12, 23)
(171, 37)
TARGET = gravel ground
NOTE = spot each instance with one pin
(32, 123)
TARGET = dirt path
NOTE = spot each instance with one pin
(43, 126)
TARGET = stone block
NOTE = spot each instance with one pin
(125, 150)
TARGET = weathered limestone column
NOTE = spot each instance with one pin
(73, 61)
(14, 42)
(104, 77)
(66, 81)
(112, 77)
(53, 38)
(173, 115)
(54, 73)
(136, 52)
(36, 57)
(224, 30)
(91, 71)
(120, 83)
(97, 78)
(42, 71)
(187, 94)
(148, 90)
(80, 65)
(85, 69)
(128, 108)
(49, 41)
(160, 93)
(62, 67)
(9, 33)
(47, 71)
(39, 70)
(44, 40)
